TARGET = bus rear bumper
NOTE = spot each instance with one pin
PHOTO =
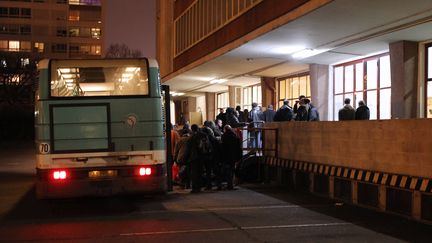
(82, 188)
(81, 185)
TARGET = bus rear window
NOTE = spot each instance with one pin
(99, 78)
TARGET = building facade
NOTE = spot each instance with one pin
(51, 28)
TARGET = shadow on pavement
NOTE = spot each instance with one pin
(384, 223)
(31, 209)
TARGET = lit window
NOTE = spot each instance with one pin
(292, 87)
(75, 31)
(74, 15)
(251, 94)
(429, 80)
(95, 50)
(368, 80)
(77, 78)
(14, 45)
(222, 100)
(3, 44)
(95, 33)
(25, 46)
(39, 46)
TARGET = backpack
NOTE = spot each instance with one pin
(204, 145)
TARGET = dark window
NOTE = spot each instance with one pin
(59, 48)
(3, 12)
(61, 32)
(25, 29)
(26, 13)
(14, 12)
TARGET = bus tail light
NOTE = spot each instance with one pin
(145, 171)
(59, 174)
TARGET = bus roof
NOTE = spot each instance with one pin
(44, 63)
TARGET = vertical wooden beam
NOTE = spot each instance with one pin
(165, 34)
(404, 72)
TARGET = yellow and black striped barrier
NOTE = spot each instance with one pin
(375, 177)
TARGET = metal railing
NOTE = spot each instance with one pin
(203, 18)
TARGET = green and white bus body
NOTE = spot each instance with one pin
(99, 128)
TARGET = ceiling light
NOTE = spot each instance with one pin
(174, 93)
(218, 81)
(286, 49)
(308, 53)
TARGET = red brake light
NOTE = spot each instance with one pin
(59, 174)
(143, 171)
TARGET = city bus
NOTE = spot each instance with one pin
(99, 128)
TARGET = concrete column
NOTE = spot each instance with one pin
(210, 105)
(354, 192)
(382, 197)
(311, 182)
(416, 205)
(404, 69)
(268, 91)
(331, 187)
(232, 96)
(191, 102)
(319, 82)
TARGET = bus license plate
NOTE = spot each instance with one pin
(102, 173)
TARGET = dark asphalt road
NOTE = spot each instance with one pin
(253, 213)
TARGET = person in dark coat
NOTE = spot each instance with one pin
(269, 114)
(222, 116)
(240, 114)
(232, 152)
(231, 118)
(284, 113)
(297, 105)
(181, 156)
(197, 158)
(347, 112)
(362, 112)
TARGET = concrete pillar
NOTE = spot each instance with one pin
(191, 106)
(382, 197)
(311, 182)
(232, 96)
(354, 192)
(416, 205)
(319, 85)
(210, 105)
(268, 91)
(404, 69)
(331, 187)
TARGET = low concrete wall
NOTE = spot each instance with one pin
(394, 146)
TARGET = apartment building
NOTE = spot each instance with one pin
(51, 28)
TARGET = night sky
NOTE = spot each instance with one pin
(132, 22)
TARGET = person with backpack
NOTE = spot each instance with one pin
(232, 152)
(200, 151)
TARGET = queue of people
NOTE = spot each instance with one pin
(206, 156)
